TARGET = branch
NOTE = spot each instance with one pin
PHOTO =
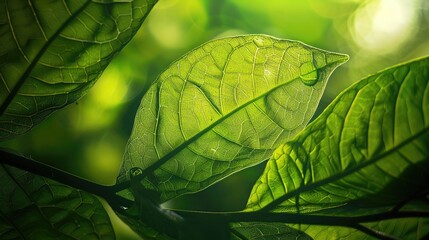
(195, 217)
(297, 218)
(106, 192)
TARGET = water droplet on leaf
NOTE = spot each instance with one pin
(309, 74)
(261, 42)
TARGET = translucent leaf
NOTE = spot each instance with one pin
(367, 153)
(34, 207)
(223, 107)
(52, 52)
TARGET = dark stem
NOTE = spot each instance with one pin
(260, 216)
(420, 195)
(106, 192)
(118, 202)
(296, 218)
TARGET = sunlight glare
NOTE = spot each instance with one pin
(110, 90)
(105, 155)
(175, 23)
(384, 25)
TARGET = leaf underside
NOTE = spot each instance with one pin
(52, 52)
(367, 153)
(34, 207)
(224, 107)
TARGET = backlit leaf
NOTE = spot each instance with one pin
(367, 153)
(223, 107)
(34, 207)
(52, 52)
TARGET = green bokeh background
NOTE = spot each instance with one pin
(88, 138)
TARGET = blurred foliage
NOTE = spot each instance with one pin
(88, 138)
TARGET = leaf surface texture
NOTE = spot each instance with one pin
(223, 107)
(367, 153)
(53, 51)
(34, 207)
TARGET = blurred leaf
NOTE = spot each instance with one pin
(367, 153)
(266, 231)
(53, 52)
(224, 107)
(34, 207)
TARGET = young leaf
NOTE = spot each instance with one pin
(34, 207)
(367, 153)
(53, 51)
(223, 107)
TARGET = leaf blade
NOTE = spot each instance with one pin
(192, 109)
(367, 153)
(54, 52)
(36, 207)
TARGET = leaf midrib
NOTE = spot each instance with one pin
(182, 146)
(36, 59)
(343, 174)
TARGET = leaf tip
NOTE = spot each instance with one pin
(338, 58)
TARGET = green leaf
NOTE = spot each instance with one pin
(266, 231)
(223, 107)
(367, 153)
(34, 207)
(406, 228)
(143, 229)
(53, 51)
(331, 232)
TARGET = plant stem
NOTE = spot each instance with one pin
(106, 192)
(296, 218)
(262, 216)
(118, 202)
